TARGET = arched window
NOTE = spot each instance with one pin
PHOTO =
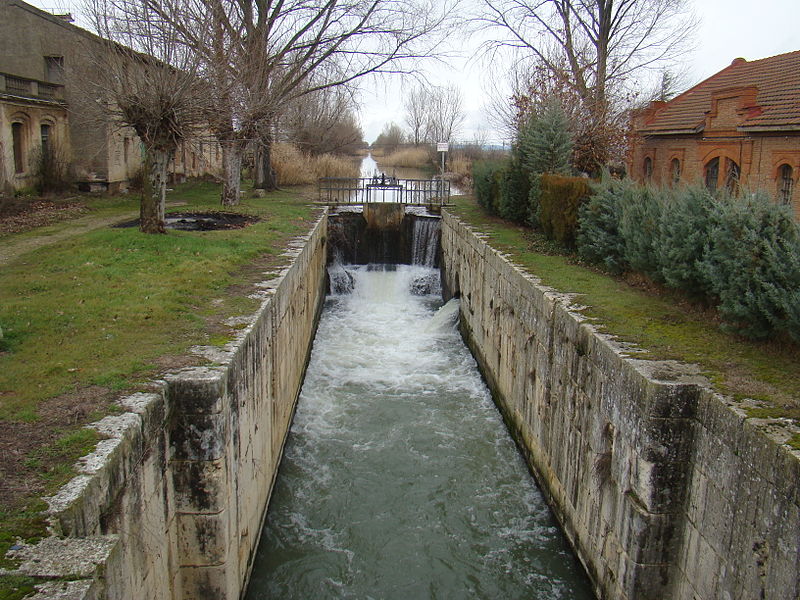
(18, 138)
(732, 175)
(712, 174)
(785, 183)
(648, 169)
(675, 170)
(45, 132)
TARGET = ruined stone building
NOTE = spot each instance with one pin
(739, 127)
(48, 99)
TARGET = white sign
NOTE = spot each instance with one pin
(442, 147)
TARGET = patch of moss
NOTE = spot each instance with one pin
(16, 587)
(794, 442)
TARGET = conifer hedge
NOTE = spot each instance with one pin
(740, 254)
(560, 199)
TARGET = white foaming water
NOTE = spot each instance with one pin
(399, 479)
(425, 242)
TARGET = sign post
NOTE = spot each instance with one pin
(442, 147)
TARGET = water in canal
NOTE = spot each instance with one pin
(399, 479)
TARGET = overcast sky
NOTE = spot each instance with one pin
(728, 29)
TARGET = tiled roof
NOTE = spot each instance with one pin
(777, 80)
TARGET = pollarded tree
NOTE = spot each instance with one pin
(259, 56)
(144, 79)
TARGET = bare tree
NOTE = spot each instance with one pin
(147, 81)
(597, 46)
(390, 138)
(415, 103)
(323, 122)
(259, 55)
(445, 113)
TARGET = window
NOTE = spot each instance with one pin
(45, 132)
(712, 174)
(785, 183)
(54, 69)
(732, 175)
(675, 170)
(648, 168)
(17, 134)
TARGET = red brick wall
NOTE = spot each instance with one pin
(759, 157)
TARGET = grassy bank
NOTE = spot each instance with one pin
(101, 313)
(660, 321)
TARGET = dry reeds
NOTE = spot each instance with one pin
(408, 157)
(293, 167)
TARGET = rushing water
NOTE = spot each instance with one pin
(399, 479)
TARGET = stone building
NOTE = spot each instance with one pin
(48, 99)
(739, 127)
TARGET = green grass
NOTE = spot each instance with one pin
(104, 310)
(664, 324)
(99, 308)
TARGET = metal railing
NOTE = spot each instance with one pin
(383, 189)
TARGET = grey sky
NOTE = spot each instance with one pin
(728, 29)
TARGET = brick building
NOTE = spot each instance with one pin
(739, 127)
(48, 98)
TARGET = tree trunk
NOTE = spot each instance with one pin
(232, 168)
(151, 211)
(265, 177)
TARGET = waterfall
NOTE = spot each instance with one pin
(425, 241)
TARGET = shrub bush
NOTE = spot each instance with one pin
(684, 234)
(640, 228)
(546, 141)
(486, 176)
(515, 186)
(598, 239)
(560, 199)
(51, 169)
(753, 265)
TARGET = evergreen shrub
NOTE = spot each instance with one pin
(753, 266)
(684, 234)
(515, 186)
(640, 217)
(486, 177)
(599, 239)
(560, 199)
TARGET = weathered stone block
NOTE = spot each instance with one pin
(197, 391)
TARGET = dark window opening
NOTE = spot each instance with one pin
(648, 168)
(785, 183)
(732, 176)
(712, 174)
(45, 131)
(675, 168)
(54, 69)
(19, 147)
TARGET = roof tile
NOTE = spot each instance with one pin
(776, 78)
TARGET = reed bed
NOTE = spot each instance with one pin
(294, 167)
(418, 158)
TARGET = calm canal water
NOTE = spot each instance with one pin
(399, 479)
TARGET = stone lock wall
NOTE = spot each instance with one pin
(664, 490)
(171, 503)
